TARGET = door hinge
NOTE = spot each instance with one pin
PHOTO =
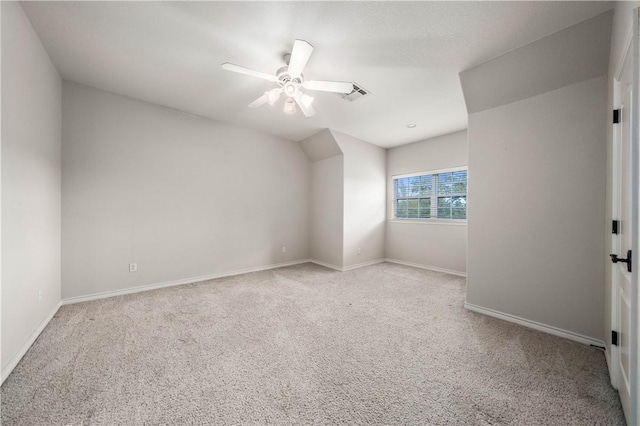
(616, 116)
(614, 226)
(614, 338)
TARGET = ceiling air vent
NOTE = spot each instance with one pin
(357, 93)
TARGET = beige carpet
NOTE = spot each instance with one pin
(385, 344)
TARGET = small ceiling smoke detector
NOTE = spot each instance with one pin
(411, 126)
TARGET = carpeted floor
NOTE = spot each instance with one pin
(384, 344)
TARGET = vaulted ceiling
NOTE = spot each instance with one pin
(407, 54)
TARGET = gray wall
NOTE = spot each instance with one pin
(327, 211)
(179, 195)
(347, 199)
(31, 93)
(364, 198)
(326, 215)
(536, 197)
(437, 245)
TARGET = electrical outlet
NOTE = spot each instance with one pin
(359, 251)
(133, 267)
(284, 249)
(39, 296)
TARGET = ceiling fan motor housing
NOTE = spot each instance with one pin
(289, 85)
(283, 76)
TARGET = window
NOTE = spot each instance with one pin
(431, 196)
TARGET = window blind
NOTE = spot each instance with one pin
(431, 196)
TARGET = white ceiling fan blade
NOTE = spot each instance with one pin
(273, 95)
(248, 71)
(329, 86)
(304, 102)
(299, 57)
(259, 102)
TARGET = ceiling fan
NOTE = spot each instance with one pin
(290, 81)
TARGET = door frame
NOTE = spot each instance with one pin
(631, 46)
(635, 160)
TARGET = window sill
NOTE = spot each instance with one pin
(430, 222)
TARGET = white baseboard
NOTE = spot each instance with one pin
(430, 268)
(612, 375)
(6, 371)
(345, 268)
(576, 337)
(360, 265)
(326, 265)
(192, 280)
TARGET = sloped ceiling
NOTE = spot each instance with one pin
(569, 56)
(320, 146)
(407, 54)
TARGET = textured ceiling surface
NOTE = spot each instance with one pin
(407, 54)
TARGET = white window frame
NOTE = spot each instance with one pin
(432, 220)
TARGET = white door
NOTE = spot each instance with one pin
(625, 302)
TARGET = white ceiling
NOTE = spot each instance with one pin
(407, 54)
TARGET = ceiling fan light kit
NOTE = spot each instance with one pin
(291, 80)
(289, 106)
